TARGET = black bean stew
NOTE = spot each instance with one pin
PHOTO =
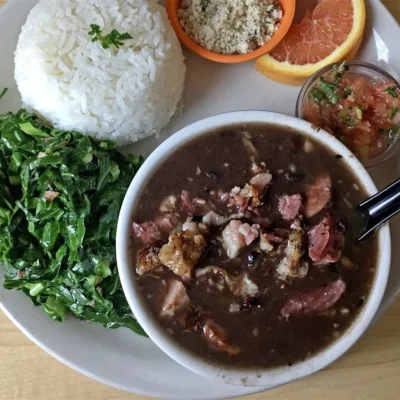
(244, 246)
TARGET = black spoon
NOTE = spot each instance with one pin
(379, 208)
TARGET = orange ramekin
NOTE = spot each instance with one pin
(288, 7)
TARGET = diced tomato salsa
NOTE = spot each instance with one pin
(362, 112)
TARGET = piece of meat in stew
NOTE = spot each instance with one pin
(243, 242)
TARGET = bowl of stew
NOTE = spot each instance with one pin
(358, 103)
(237, 253)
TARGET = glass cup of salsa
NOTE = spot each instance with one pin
(359, 104)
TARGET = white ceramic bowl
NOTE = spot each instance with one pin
(260, 377)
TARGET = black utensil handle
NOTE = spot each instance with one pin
(380, 207)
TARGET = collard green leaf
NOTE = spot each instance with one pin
(109, 172)
(113, 321)
(50, 234)
(55, 308)
(30, 129)
(83, 153)
(74, 232)
(101, 266)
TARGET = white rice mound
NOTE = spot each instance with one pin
(123, 94)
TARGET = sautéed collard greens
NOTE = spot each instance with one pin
(60, 195)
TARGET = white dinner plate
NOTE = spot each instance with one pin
(118, 357)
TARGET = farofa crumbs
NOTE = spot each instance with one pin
(230, 26)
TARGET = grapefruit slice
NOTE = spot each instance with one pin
(332, 32)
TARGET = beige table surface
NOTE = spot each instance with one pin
(370, 371)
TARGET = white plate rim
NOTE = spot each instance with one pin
(84, 371)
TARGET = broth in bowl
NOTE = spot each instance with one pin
(244, 246)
